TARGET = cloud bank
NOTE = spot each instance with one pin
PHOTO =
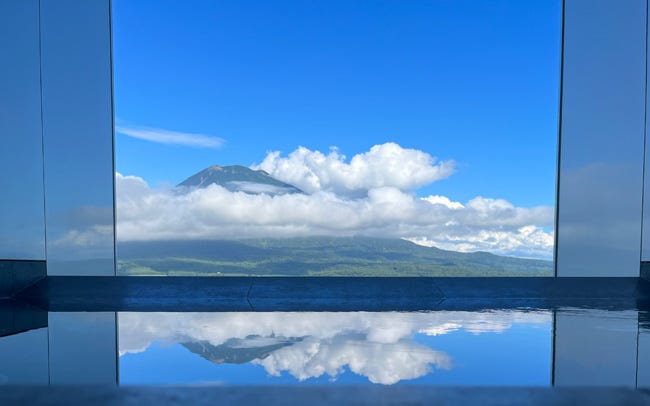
(385, 165)
(170, 137)
(379, 346)
(369, 196)
(374, 199)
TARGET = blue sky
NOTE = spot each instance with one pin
(520, 356)
(475, 81)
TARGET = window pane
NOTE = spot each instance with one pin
(365, 138)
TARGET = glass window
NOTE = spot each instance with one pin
(364, 138)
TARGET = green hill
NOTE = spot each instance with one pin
(315, 256)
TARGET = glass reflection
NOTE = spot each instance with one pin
(22, 231)
(504, 348)
(78, 136)
(24, 358)
(602, 138)
(82, 348)
(596, 348)
(300, 146)
(643, 369)
(461, 348)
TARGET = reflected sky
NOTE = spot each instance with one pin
(566, 347)
(453, 348)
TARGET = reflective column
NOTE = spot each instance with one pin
(601, 138)
(643, 367)
(595, 348)
(22, 223)
(83, 348)
(78, 136)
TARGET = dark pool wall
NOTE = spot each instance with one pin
(16, 275)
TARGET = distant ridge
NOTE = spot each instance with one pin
(238, 178)
(315, 256)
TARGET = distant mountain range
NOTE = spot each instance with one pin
(315, 256)
(237, 178)
(308, 256)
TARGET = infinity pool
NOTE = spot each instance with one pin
(336, 348)
(522, 347)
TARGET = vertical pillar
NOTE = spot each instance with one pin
(22, 224)
(645, 247)
(78, 136)
(602, 132)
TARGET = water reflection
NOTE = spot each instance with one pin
(564, 347)
(384, 348)
(595, 348)
(643, 355)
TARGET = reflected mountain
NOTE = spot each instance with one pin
(239, 351)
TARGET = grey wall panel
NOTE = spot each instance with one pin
(596, 348)
(22, 224)
(83, 348)
(78, 136)
(602, 138)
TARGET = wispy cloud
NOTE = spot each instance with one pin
(162, 136)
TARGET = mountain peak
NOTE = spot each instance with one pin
(238, 178)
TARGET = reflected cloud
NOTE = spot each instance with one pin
(383, 363)
(379, 346)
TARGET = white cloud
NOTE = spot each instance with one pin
(170, 137)
(386, 208)
(445, 201)
(385, 165)
(527, 241)
(214, 212)
(379, 346)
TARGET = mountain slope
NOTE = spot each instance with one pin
(239, 351)
(316, 256)
(237, 178)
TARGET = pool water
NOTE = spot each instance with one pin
(389, 348)
(523, 347)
